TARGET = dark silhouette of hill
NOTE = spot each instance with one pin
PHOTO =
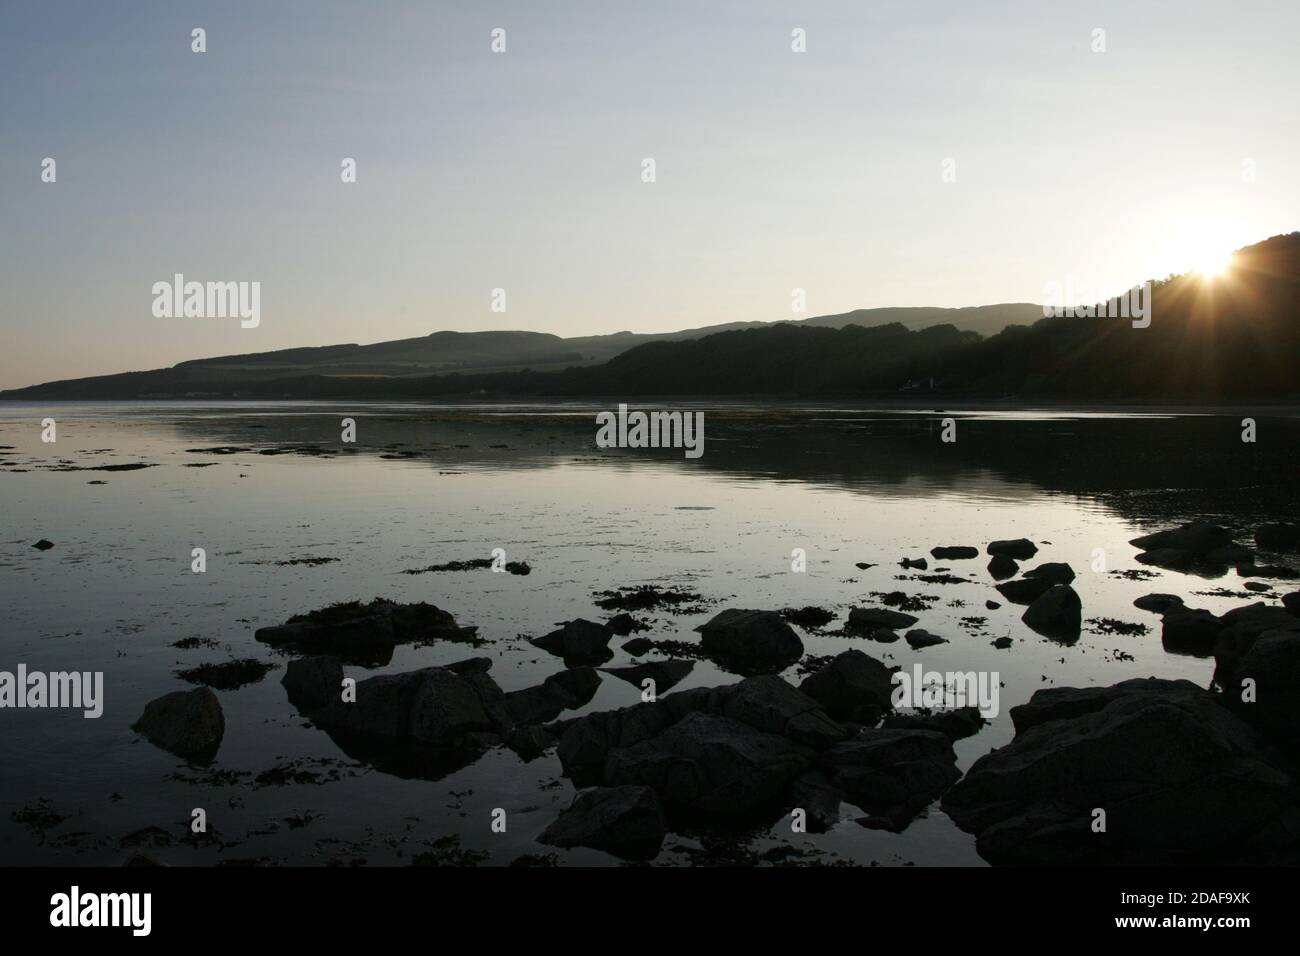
(1236, 336)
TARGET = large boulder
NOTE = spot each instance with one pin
(1178, 777)
(893, 774)
(852, 686)
(578, 642)
(188, 723)
(711, 765)
(365, 633)
(750, 642)
(1056, 613)
(626, 821)
(1020, 549)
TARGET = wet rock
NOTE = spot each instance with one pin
(567, 690)
(891, 774)
(625, 624)
(1036, 582)
(874, 618)
(578, 642)
(853, 686)
(43, 545)
(919, 564)
(1020, 549)
(312, 682)
(1276, 571)
(814, 793)
(956, 552)
(519, 567)
(1279, 536)
(884, 635)
(751, 641)
(1002, 643)
(638, 646)
(769, 704)
(664, 674)
(1257, 586)
(1158, 603)
(1292, 602)
(920, 638)
(992, 605)
(529, 742)
(1002, 566)
(365, 633)
(227, 675)
(1192, 547)
(953, 724)
(187, 723)
(1180, 778)
(1057, 613)
(1270, 667)
(1067, 703)
(1187, 630)
(711, 765)
(626, 821)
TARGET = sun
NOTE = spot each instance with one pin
(1211, 262)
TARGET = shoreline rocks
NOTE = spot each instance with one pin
(750, 642)
(365, 634)
(189, 724)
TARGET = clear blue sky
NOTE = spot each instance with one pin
(776, 170)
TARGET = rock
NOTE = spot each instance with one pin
(992, 605)
(1158, 603)
(1020, 549)
(1272, 662)
(1036, 582)
(1292, 602)
(751, 641)
(1057, 613)
(957, 552)
(1281, 535)
(874, 618)
(312, 682)
(578, 642)
(664, 674)
(1002, 566)
(953, 724)
(624, 624)
(892, 774)
(1257, 586)
(586, 742)
(1180, 778)
(1067, 703)
(1002, 643)
(187, 723)
(884, 635)
(446, 707)
(919, 564)
(1198, 537)
(813, 793)
(365, 633)
(1277, 571)
(529, 742)
(1240, 628)
(43, 545)
(853, 686)
(712, 765)
(920, 638)
(566, 690)
(769, 704)
(638, 646)
(1186, 630)
(626, 821)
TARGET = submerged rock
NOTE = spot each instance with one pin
(187, 723)
(1180, 779)
(1020, 549)
(956, 552)
(875, 618)
(365, 633)
(578, 642)
(626, 821)
(751, 641)
(664, 674)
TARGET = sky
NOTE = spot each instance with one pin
(915, 153)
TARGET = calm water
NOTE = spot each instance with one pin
(426, 485)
